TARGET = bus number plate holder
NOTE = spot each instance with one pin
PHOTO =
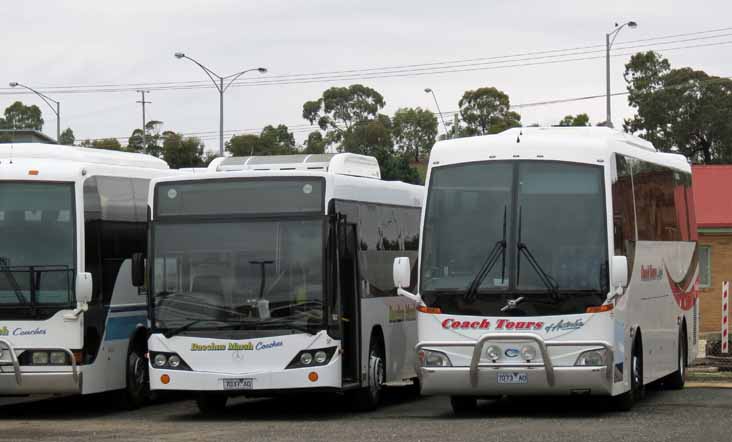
(512, 378)
(238, 384)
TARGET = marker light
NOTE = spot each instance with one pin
(599, 308)
(165, 379)
(33, 172)
(313, 376)
(429, 310)
(493, 352)
(528, 353)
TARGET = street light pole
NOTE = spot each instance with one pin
(48, 100)
(608, 46)
(442, 118)
(221, 88)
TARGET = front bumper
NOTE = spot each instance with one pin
(21, 380)
(543, 378)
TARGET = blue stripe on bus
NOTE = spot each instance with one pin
(127, 308)
(121, 327)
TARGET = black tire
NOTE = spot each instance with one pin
(627, 400)
(463, 404)
(368, 398)
(211, 403)
(137, 380)
(677, 379)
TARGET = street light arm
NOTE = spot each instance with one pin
(237, 75)
(615, 32)
(211, 74)
(46, 99)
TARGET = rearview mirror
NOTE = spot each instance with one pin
(137, 272)
(402, 272)
(619, 269)
(84, 287)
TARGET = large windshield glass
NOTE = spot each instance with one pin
(496, 231)
(36, 243)
(240, 278)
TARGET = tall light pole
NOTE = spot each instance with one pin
(608, 44)
(442, 118)
(48, 100)
(221, 88)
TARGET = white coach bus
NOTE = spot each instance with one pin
(70, 219)
(273, 275)
(555, 261)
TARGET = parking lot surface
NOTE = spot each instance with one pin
(691, 414)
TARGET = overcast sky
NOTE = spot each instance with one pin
(60, 43)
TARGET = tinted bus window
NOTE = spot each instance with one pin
(623, 211)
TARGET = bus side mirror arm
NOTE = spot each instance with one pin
(402, 278)
(411, 296)
(618, 276)
(84, 292)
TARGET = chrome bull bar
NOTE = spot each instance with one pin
(543, 345)
(16, 365)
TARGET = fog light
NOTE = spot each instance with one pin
(40, 358)
(313, 376)
(306, 358)
(320, 356)
(160, 360)
(174, 361)
(493, 352)
(165, 379)
(58, 358)
(591, 358)
(528, 353)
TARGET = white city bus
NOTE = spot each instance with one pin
(70, 219)
(555, 261)
(273, 275)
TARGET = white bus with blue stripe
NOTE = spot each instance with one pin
(70, 219)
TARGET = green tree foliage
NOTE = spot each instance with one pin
(67, 137)
(271, 141)
(20, 116)
(578, 120)
(681, 108)
(180, 151)
(487, 111)
(103, 143)
(315, 143)
(340, 109)
(414, 131)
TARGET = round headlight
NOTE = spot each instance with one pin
(591, 358)
(160, 360)
(493, 352)
(306, 358)
(320, 356)
(528, 353)
(174, 361)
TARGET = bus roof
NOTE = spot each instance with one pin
(335, 163)
(81, 155)
(581, 144)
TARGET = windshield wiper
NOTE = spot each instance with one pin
(546, 279)
(263, 275)
(498, 250)
(11, 279)
(182, 328)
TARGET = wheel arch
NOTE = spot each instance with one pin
(138, 341)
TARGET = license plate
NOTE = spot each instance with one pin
(513, 378)
(238, 384)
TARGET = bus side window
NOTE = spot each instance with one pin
(624, 228)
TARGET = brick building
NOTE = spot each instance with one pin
(713, 200)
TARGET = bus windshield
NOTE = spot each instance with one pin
(238, 278)
(36, 244)
(496, 231)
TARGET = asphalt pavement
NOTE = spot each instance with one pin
(691, 414)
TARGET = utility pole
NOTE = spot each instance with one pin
(143, 102)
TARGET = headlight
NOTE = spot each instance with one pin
(174, 361)
(58, 358)
(320, 356)
(493, 352)
(306, 358)
(40, 358)
(528, 353)
(160, 360)
(431, 358)
(591, 358)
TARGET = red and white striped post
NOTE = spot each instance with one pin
(725, 317)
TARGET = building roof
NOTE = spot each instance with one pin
(712, 184)
(25, 136)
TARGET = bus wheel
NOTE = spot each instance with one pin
(625, 401)
(463, 404)
(211, 403)
(137, 389)
(368, 398)
(677, 379)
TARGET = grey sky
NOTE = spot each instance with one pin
(49, 43)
